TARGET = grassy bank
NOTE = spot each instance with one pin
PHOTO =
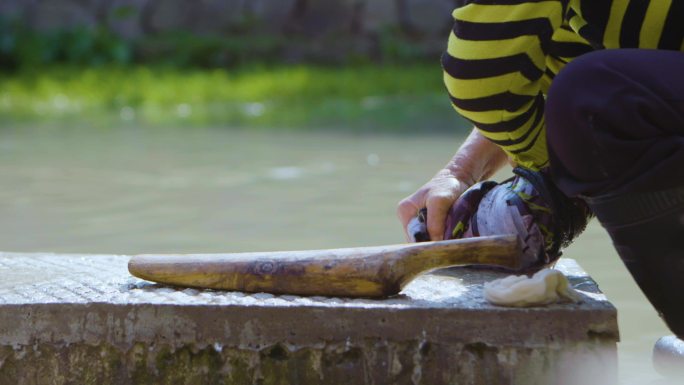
(358, 98)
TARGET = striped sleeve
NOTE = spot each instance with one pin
(565, 46)
(494, 68)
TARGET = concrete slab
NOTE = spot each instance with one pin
(84, 319)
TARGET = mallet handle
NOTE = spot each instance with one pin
(353, 272)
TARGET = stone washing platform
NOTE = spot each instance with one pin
(82, 319)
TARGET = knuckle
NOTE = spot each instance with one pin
(406, 209)
(405, 204)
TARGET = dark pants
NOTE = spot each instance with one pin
(615, 131)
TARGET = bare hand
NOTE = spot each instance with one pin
(476, 160)
(437, 195)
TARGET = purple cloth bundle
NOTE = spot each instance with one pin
(515, 206)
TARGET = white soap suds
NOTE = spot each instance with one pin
(545, 287)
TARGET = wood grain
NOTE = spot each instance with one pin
(352, 272)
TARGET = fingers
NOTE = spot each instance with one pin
(406, 210)
(438, 195)
(437, 206)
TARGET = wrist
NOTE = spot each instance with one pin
(460, 173)
(477, 159)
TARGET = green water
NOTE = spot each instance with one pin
(217, 190)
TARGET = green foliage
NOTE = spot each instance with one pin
(184, 50)
(358, 97)
(23, 48)
(123, 12)
(396, 46)
(177, 78)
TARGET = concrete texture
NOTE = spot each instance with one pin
(82, 319)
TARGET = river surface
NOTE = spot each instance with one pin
(130, 191)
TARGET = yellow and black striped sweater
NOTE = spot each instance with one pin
(503, 54)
